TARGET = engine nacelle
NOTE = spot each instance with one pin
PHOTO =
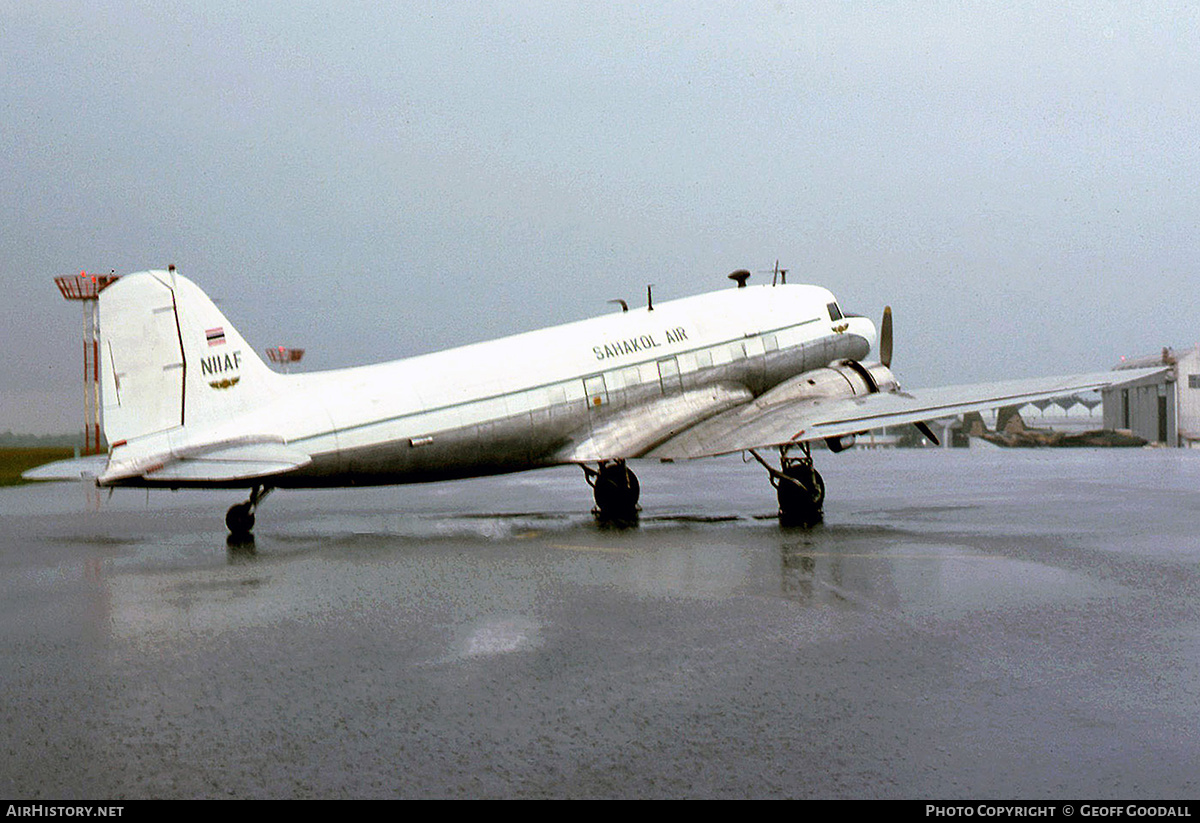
(876, 377)
(840, 444)
(846, 378)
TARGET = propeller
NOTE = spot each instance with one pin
(924, 429)
(885, 357)
(885, 337)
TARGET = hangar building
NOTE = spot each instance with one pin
(1162, 408)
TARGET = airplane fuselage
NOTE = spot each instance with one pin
(615, 385)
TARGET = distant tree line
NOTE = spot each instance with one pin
(8, 440)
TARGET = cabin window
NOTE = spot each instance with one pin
(493, 408)
(573, 390)
(703, 359)
(1194, 381)
(770, 342)
(538, 399)
(668, 376)
(595, 391)
(835, 313)
(519, 402)
(625, 378)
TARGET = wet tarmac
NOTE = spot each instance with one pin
(966, 624)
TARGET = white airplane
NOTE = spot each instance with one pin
(187, 403)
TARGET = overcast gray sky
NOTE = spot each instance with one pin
(1019, 180)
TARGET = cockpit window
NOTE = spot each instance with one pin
(834, 312)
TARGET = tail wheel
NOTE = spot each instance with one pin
(240, 519)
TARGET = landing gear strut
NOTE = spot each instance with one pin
(799, 486)
(240, 518)
(616, 492)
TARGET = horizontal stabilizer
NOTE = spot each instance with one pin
(78, 468)
(246, 461)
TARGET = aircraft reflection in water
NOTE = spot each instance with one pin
(188, 404)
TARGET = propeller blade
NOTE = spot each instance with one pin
(885, 338)
(924, 429)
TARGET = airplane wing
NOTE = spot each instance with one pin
(637, 428)
(781, 417)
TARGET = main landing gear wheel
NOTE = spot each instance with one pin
(616, 491)
(240, 517)
(799, 487)
(801, 493)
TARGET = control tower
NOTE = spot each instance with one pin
(86, 288)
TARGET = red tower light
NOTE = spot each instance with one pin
(284, 356)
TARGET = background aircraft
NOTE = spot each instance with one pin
(1011, 431)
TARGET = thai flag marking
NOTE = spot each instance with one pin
(216, 337)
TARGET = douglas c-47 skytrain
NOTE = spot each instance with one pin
(187, 403)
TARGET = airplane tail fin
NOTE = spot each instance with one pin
(1009, 420)
(170, 359)
(974, 424)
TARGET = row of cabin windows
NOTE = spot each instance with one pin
(669, 371)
